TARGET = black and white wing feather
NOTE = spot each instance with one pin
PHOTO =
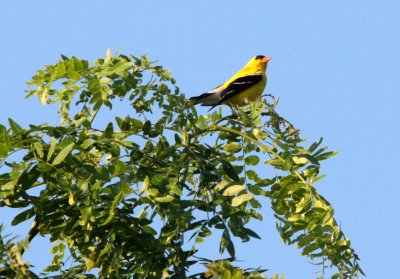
(239, 85)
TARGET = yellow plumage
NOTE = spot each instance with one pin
(245, 86)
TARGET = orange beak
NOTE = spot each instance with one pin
(266, 59)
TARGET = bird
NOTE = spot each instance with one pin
(242, 88)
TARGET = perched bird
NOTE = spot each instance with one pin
(242, 88)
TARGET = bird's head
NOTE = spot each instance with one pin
(260, 62)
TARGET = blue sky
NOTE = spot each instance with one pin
(335, 66)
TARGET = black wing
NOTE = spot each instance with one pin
(239, 85)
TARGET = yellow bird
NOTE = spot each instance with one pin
(242, 88)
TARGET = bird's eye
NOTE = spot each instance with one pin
(259, 57)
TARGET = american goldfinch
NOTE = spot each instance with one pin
(242, 88)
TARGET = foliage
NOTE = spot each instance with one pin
(125, 197)
(11, 263)
(224, 270)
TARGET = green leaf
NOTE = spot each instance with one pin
(146, 127)
(252, 175)
(252, 160)
(251, 233)
(4, 150)
(303, 205)
(236, 201)
(86, 143)
(232, 147)
(121, 123)
(43, 95)
(164, 199)
(295, 217)
(137, 123)
(178, 140)
(326, 155)
(108, 56)
(315, 145)
(51, 149)
(275, 162)
(14, 126)
(108, 133)
(232, 190)
(199, 240)
(226, 243)
(174, 189)
(23, 216)
(145, 184)
(220, 186)
(299, 160)
(90, 264)
(259, 134)
(230, 171)
(328, 216)
(310, 248)
(7, 189)
(4, 138)
(63, 153)
(39, 149)
(29, 178)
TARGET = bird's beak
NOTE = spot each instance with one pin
(266, 59)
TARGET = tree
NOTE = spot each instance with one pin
(126, 198)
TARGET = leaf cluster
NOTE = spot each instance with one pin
(128, 197)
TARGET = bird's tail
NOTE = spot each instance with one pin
(205, 99)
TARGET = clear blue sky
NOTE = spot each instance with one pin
(335, 66)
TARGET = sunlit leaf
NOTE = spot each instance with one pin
(51, 149)
(165, 199)
(90, 264)
(232, 190)
(299, 160)
(145, 184)
(236, 201)
(63, 153)
(220, 186)
(86, 143)
(259, 134)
